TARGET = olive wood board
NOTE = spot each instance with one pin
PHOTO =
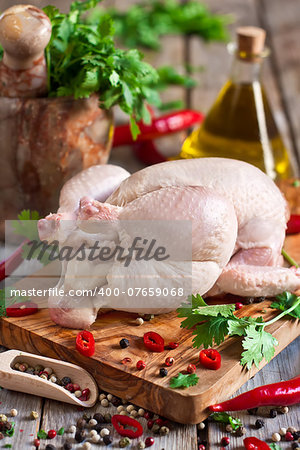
(145, 388)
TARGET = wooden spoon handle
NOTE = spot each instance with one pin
(24, 33)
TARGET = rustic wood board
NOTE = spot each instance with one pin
(38, 334)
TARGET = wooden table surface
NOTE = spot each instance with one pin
(281, 79)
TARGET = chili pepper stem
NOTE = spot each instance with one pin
(289, 259)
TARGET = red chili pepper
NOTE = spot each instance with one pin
(147, 152)
(7, 266)
(210, 358)
(253, 443)
(275, 394)
(154, 342)
(169, 123)
(85, 343)
(22, 309)
(119, 423)
(293, 225)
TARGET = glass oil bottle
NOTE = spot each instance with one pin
(240, 124)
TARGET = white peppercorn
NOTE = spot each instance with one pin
(72, 429)
(95, 439)
(93, 433)
(130, 408)
(109, 397)
(284, 409)
(102, 396)
(139, 321)
(92, 422)
(134, 413)
(282, 431)
(105, 402)
(201, 426)
(53, 379)
(104, 432)
(34, 415)
(120, 408)
(276, 437)
(48, 370)
(78, 394)
(141, 445)
(141, 412)
(13, 412)
(87, 446)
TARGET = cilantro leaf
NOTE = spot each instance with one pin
(26, 225)
(258, 344)
(42, 434)
(184, 381)
(223, 417)
(274, 446)
(11, 432)
(211, 332)
(285, 301)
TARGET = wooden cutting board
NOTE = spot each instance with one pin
(38, 334)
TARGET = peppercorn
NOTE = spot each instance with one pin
(124, 442)
(107, 440)
(98, 417)
(241, 431)
(96, 438)
(120, 408)
(155, 428)
(164, 430)
(102, 396)
(282, 431)
(104, 402)
(273, 413)
(191, 368)
(296, 435)
(134, 413)
(259, 424)
(124, 343)
(81, 423)
(173, 345)
(3, 418)
(107, 418)
(67, 446)
(72, 429)
(70, 387)
(140, 365)
(98, 427)
(289, 437)
(141, 412)
(51, 434)
(201, 447)
(169, 361)
(34, 415)
(292, 429)
(139, 321)
(252, 411)
(149, 442)
(66, 380)
(78, 394)
(150, 424)
(141, 445)
(148, 317)
(50, 447)
(284, 409)
(93, 422)
(104, 432)
(79, 436)
(7, 426)
(249, 300)
(86, 446)
(229, 428)
(148, 415)
(36, 443)
(225, 441)
(238, 306)
(276, 437)
(163, 372)
(115, 401)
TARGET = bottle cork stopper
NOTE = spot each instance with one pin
(250, 42)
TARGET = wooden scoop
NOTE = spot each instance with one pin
(33, 384)
(25, 31)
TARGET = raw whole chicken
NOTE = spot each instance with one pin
(238, 218)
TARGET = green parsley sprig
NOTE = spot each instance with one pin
(184, 380)
(223, 417)
(144, 23)
(214, 322)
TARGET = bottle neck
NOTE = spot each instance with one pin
(245, 72)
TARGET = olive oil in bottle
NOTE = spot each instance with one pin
(240, 124)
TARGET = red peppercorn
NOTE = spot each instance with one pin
(201, 447)
(160, 422)
(126, 361)
(238, 305)
(51, 434)
(149, 442)
(169, 361)
(225, 441)
(36, 443)
(70, 387)
(191, 368)
(148, 415)
(85, 395)
(288, 436)
(76, 387)
(140, 365)
(172, 345)
(150, 424)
